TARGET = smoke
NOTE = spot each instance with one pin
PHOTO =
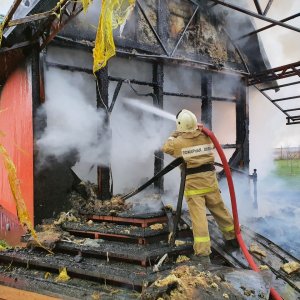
(72, 121)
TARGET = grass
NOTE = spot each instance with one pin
(289, 167)
(289, 171)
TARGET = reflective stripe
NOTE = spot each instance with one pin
(199, 192)
(201, 239)
(228, 228)
(197, 150)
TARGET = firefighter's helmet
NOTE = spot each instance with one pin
(186, 121)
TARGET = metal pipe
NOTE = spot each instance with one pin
(267, 7)
(179, 204)
(267, 27)
(286, 98)
(250, 13)
(293, 109)
(258, 7)
(269, 98)
(254, 178)
(280, 86)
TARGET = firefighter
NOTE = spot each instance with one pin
(201, 187)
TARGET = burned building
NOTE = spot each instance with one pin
(172, 54)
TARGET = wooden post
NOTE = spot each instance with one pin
(104, 191)
(158, 77)
(206, 92)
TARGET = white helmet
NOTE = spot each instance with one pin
(186, 121)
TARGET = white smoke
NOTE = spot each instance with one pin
(72, 120)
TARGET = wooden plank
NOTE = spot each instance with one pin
(8, 293)
(142, 222)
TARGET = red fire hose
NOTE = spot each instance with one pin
(237, 229)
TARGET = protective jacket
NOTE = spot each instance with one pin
(201, 188)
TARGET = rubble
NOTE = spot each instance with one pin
(291, 267)
(65, 217)
(63, 276)
(48, 236)
(182, 258)
(179, 243)
(157, 226)
(255, 249)
(263, 267)
(188, 282)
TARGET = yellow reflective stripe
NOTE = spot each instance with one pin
(201, 239)
(227, 228)
(199, 192)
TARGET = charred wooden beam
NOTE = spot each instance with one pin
(162, 20)
(29, 19)
(227, 99)
(152, 28)
(153, 56)
(115, 96)
(242, 125)
(206, 92)
(11, 12)
(133, 81)
(69, 68)
(57, 25)
(284, 71)
(158, 101)
(104, 191)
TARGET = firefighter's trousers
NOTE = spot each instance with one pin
(197, 207)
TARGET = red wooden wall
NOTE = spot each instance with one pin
(17, 125)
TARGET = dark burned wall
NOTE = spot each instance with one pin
(53, 182)
(204, 38)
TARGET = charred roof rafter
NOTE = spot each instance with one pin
(253, 14)
(273, 74)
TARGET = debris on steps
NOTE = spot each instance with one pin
(291, 267)
(255, 249)
(191, 281)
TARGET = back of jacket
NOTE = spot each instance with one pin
(196, 149)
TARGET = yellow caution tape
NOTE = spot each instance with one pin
(113, 14)
(85, 4)
(14, 183)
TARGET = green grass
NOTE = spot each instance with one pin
(285, 168)
(289, 172)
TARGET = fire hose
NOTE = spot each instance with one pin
(237, 229)
(227, 171)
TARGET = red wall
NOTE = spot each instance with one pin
(16, 124)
